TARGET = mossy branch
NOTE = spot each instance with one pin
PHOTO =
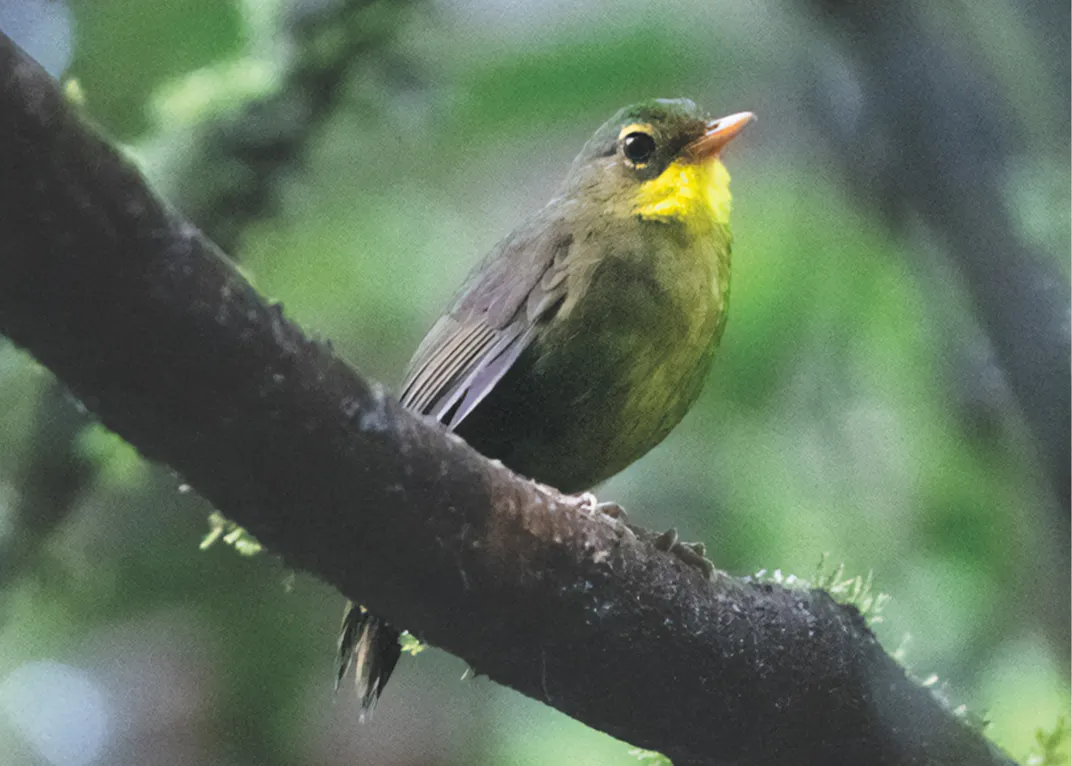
(150, 326)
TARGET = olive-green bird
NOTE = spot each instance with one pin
(585, 336)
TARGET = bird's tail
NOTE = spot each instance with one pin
(371, 646)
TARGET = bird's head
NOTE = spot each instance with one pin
(659, 161)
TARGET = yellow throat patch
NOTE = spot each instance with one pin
(697, 194)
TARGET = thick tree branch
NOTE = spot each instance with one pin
(156, 332)
(228, 179)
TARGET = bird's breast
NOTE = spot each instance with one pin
(627, 355)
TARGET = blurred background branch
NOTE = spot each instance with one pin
(921, 95)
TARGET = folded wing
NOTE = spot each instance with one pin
(493, 320)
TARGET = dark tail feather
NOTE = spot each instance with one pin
(371, 646)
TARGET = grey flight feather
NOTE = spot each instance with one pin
(471, 347)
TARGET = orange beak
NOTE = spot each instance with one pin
(719, 133)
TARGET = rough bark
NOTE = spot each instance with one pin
(150, 326)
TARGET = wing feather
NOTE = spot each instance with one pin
(469, 350)
(487, 374)
(462, 343)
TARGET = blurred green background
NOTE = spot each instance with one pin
(357, 158)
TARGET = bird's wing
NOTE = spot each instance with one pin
(467, 352)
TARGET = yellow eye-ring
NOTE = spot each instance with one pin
(638, 145)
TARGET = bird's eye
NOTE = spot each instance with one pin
(638, 147)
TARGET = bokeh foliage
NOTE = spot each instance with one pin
(847, 414)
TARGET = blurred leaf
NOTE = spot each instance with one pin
(117, 462)
(1052, 745)
(125, 49)
(607, 70)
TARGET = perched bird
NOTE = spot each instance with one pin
(585, 335)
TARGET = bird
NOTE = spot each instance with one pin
(586, 334)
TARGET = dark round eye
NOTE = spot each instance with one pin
(638, 147)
